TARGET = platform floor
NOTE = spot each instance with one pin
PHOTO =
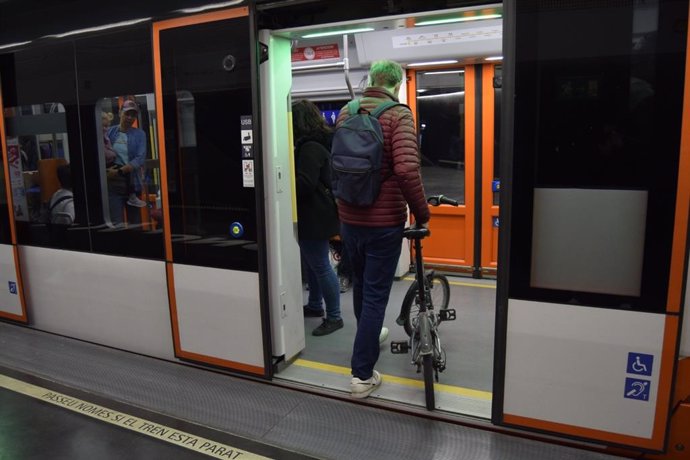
(65, 399)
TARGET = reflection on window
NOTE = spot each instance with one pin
(37, 147)
(441, 129)
(128, 159)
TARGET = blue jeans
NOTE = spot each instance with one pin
(323, 282)
(374, 254)
(118, 203)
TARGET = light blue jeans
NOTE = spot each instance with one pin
(323, 282)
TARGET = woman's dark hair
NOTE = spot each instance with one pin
(308, 122)
(64, 175)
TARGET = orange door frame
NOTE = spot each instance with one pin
(23, 318)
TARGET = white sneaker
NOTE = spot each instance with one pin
(383, 335)
(363, 388)
(136, 202)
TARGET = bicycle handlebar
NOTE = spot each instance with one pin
(436, 200)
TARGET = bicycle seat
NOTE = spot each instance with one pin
(416, 233)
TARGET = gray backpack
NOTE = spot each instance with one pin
(357, 154)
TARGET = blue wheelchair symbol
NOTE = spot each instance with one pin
(640, 363)
(13, 287)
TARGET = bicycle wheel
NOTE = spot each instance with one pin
(428, 365)
(440, 296)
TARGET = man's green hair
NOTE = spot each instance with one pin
(385, 73)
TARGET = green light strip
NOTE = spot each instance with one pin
(337, 32)
(460, 19)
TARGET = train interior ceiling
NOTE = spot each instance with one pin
(435, 50)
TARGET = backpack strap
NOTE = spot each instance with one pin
(60, 200)
(353, 107)
(385, 106)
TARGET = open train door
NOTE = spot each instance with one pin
(12, 303)
(285, 281)
(212, 188)
(594, 254)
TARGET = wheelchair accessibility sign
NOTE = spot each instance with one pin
(637, 389)
(640, 363)
(13, 287)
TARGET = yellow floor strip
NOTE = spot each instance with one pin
(173, 436)
(460, 283)
(460, 391)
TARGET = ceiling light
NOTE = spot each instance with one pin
(419, 64)
(494, 58)
(97, 28)
(441, 72)
(210, 6)
(435, 96)
(338, 32)
(479, 17)
(14, 44)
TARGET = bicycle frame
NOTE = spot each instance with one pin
(425, 342)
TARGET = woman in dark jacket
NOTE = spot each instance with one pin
(317, 215)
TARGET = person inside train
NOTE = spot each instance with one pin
(124, 180)
(317, 214)
(61, 205)
(373, 235)
(109, 153)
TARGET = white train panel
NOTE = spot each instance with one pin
(577, 372)
(9, 285)
(219, 314)
(115, 301)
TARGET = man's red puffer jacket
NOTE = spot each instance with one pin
(403, 185)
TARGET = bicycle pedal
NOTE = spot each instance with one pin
(400, 348)
(447, 315)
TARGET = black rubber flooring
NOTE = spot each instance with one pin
(32, 429)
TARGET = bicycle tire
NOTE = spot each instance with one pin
(440, 296)
(428, 365)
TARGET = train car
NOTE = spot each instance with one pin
(575, 116)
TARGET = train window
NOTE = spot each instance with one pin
(40, 171)
(597, 141)
(115, 72)
(209, 144)
(441, 131)
(128, 160)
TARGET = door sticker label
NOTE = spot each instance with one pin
(13, 287)
(247, 133)
(640, 363)
(637, 389)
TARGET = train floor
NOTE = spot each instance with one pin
(463, 388)
(62, 398)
